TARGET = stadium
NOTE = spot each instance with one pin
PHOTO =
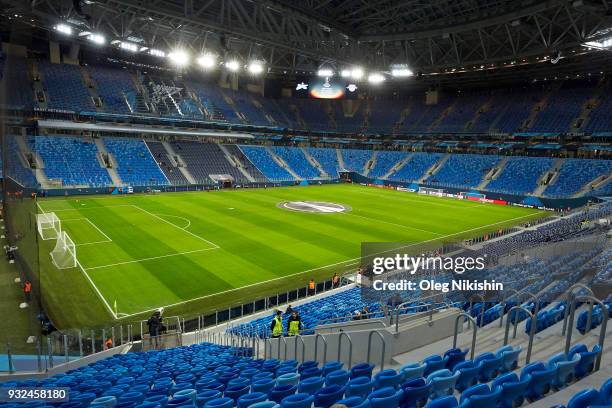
(296, 204)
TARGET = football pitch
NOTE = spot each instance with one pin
(195, 252)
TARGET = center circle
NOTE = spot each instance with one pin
(314, 207)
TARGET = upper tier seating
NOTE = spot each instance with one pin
(421, 116)
(384, 162)
(384, 114)
(279, 112)
(416, 167)
(64, 87)
(600, 119)
(346, 123)
(16, 166)
(463, 111)
(204, 159)
(295, 159)
(520, 175)
(464, 170)
(260, 157)
(356, 160)
(244, 104)
(16, 82)
(575, 174)
(563, 107)
(135, 165)
(173, 174)
(115, 87)
(312, 112)
(214, 101)
(515, 109)
(73, 160)
(327, 158)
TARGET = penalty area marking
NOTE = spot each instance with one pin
(180, 218)
(107, 238)
(348, 262)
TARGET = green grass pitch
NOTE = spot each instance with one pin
(199, 251)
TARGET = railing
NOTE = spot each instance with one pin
(350, 355)
(474, 332)
(570, 296)
(602, 330)
(534, 322)
(409, 305)
(482, 312)
(384, 346)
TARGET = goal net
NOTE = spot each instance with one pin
(64, 253)
(49, 226)
(431, 191)
(479, 196)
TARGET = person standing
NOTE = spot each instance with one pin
(335, 280)
(277, 325)
(153, 323)
(311, 287)
(294, 324)
(27, 290)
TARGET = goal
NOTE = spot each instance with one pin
(431, 191)
(478, 196)
(49, 226)
(64, 253)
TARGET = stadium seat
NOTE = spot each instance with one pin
(509, 356)
(512, 389)
(587, 359)
(541, 380)
(584, 399)
(480, 396)
(489, 366)
(565, 368)
(416, 392)
(412, 370)
(468, 375)
(442, 383)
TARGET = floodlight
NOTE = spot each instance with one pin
(357, 73)
(128, 46)
(256, 67)
(401, 72)
(179, 58)
(96, 38)
(207, 61)
(64, 29)
(345, 73)
(376, 78)
(157, 53)
(325, 72)
(232, 65)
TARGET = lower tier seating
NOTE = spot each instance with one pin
(135, 164)
(260, 157)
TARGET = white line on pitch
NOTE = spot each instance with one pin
(99, 230)
(348, 262)
(391, 223)
(175, 226)
(151, 258)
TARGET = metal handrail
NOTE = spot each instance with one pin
(341, 319)
(602, 330)
(284, 340)
(317, 336)
(295, 354)
(505, 303)
(348, 337)
(482, 299)
(474, 332)
(534, 322)
(568, 298)
(384, 346)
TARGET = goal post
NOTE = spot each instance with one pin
(64, 253)
(431, 191)
(49, 225)
(468, 195)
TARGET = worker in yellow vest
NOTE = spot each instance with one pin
(277, 325)
(311, 287)
(294, 324)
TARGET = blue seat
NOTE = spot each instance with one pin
(362, 370)
(281, 391)
(387, 378)
(584, 399)
(297, 401)
(328, 396)
(310, 385)
(387, 397)
(541, 380)
(565, 369)
(444, 402)
(442, 383)
(338, 377)
(360, 386)
(587, 359)
(331, 366)
(433, 363)
(416, 392)
(512, 389)
(355, 402)
(412, 370)
(480, 396)
(489, 366)
(509, 357)
(468, 375)
(454, 356)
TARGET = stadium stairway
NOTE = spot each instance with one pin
(180, 163)
(493, 173)
(434, 169)
(599, 181)
(282, 163)
(112, 172)
(397, 166)
(341, 164)
(39, 173)
(370, 164)
(315, 163)
(549, 177)
(235, 161)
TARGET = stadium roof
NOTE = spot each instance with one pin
(429, 36)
